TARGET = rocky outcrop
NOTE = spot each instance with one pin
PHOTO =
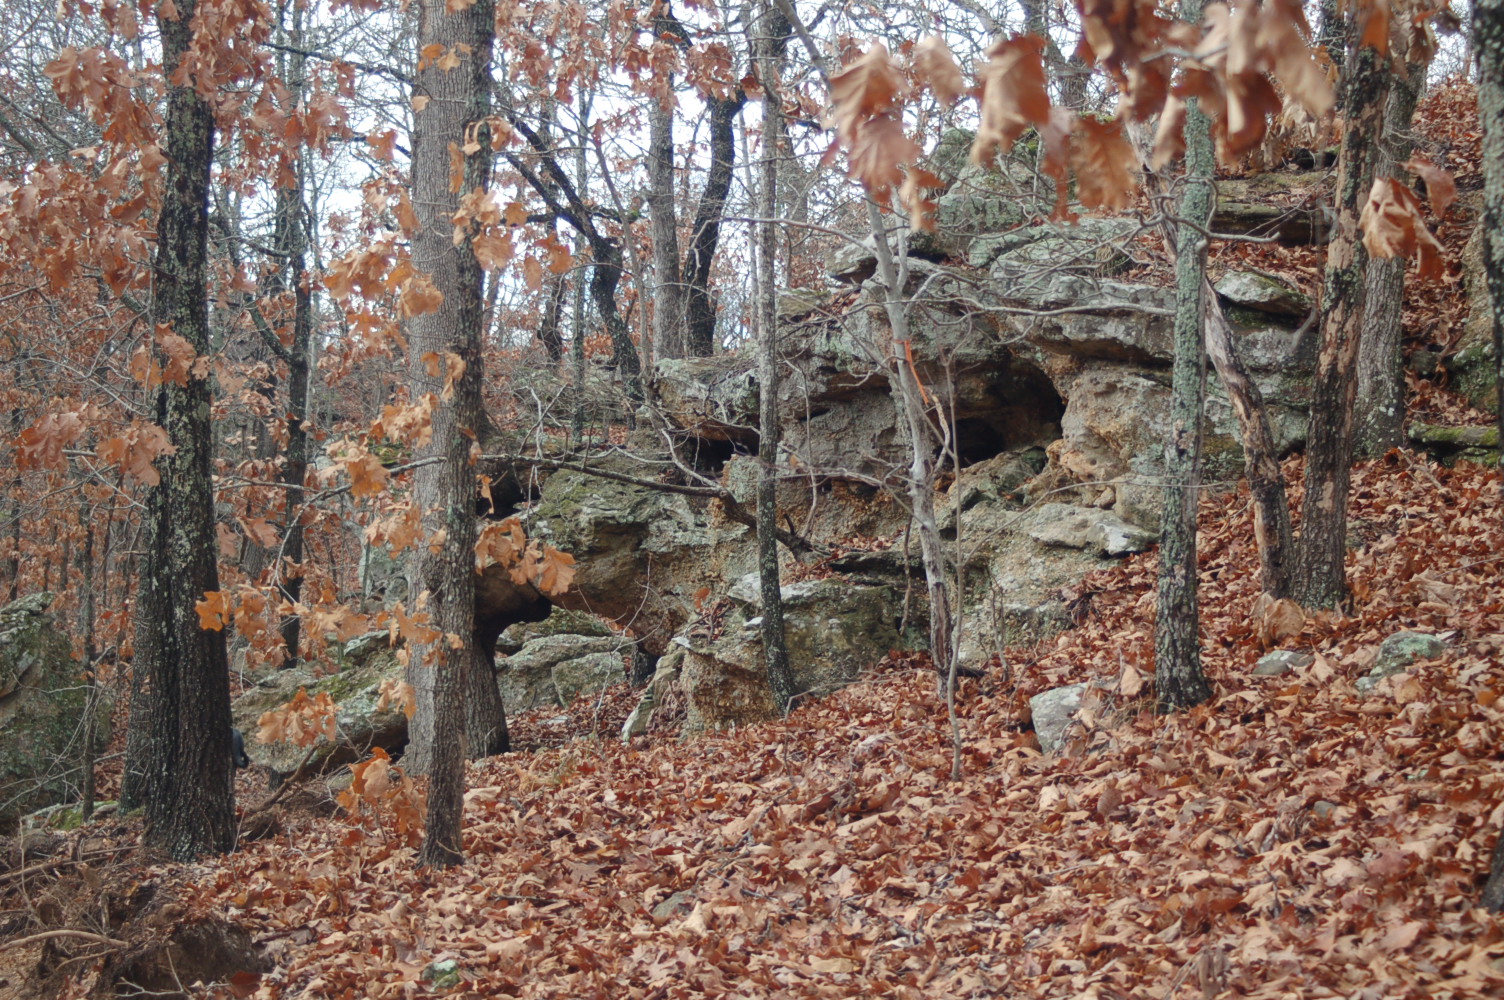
(1053, 373)
(43, 703)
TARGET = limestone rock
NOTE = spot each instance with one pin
(725, 685)
(621, 535)
(834, 628)
(1266, 294)
(1092, 247)
(1281, 661)
(852, 262)
(42, 707)
(980, 203)
(553, 669)
(796, 302)
(1053, 712)
(1059, 524)
(1471, 359)
(559, 622)
(715, 397)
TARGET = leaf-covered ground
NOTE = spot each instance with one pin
(1290, 839)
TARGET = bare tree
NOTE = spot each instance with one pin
(770, 40)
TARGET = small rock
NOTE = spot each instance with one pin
(677, 905)
(444, 974)
(852, 262)
(1067, 526)
(1404, 648)
(1053, 712)
(1281, 661)
(1323, 809)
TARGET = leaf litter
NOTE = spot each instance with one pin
(1290, 838)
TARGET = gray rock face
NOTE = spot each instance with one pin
(835, 629)
(1266, 294)
(1053, 712)
(42, 709)
(715, 398)
(1471, 359)
(980, 203)
(553, 669)
(559, 622)
(1092, 247)
(641, 553)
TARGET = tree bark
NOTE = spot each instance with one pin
(910, 397)
(458, 702)
(1380, 407)
(292, 239)
(668, 291)
(769, 44)
(700, 304)
(182, 771)
(1321, 580)
(1178, 677)
(1488, 43)
(1266, 483)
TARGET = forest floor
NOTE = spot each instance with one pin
(1290, 838)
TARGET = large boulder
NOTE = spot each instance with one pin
(553, 669)
(835, 629)
(641, 553)
(366, 662)
(43, 703)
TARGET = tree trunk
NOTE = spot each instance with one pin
(1380, 408)
(769, 44)
(292, 240)
(1178, 677)
(182, 771)
(1266, 483)
(1321, 580)
(458, 703)
(1488, 43)
(668, 291)
(91, 680)
(919, 438)
(700, 305)
(550, 330)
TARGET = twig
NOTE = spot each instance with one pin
(62, 932)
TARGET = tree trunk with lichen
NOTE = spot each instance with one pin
(769, 44)
(178, 765)
(1178, 677)
(1321, 580)
(1488, 43)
